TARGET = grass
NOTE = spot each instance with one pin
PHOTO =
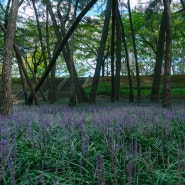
(93, 144)
(104, 87)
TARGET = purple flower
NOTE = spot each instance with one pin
(85, 146)
(12, 170)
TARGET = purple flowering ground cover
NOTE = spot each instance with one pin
(103, 144)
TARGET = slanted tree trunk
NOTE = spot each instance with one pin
(135, 54)
(131, 94)
(23, 81)
(72, 98)
(168, 56)
(6, 13)
(21, 55)
(159, 60)
(118, 54)
(19, 59)
(113, 50)
(6, 86)
(183, 4)
(60, 47)
(101, 52)
(52, 85)
(41, 41)
(66, 52)
(103, 68)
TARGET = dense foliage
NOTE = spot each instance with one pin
(146, 21)
(97, 144)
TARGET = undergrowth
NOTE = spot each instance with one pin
(107, 143)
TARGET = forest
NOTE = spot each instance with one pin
(125, 124)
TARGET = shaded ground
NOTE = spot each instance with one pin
(104, 88)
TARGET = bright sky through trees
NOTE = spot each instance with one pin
(133, 3)
(29, 12)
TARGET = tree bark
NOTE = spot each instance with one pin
(6, 86)
(113, 50)
(159, 60)
(23, 81)
(183, 4)
(72, 98)
(101, 53)
(135, 54)
(20, 61)
(131, 94)
(52, 93)
(61, 46)
(41, 41)
(118, 54)
(7, 13)
(66, 51)
(26, 74)
(168, 56)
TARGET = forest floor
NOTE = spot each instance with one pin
(145, 101)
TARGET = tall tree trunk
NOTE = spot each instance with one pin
(7, 13)
(41, 41)
(113, 50)
(131, 94)
(135, 54)
(66, 52)
(61, 46)
(23, 81)
(20, 60)
(101, 52)
(52, 84)
(103, 68)
(168, 56)
(72, 98)
(159, 60)
(6, 86)
(118, 54)
(183, 4)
